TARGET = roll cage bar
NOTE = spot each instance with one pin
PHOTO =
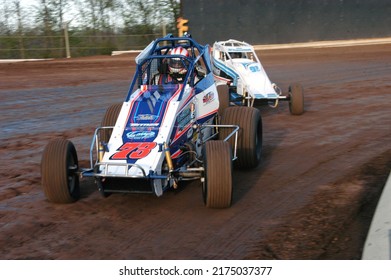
(158, 50)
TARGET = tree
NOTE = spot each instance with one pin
(60, 8)
(97, 15)
(170, 11)
(97, 26)
(5, 15)
(147, 16)
(20, 31)
(46, 21)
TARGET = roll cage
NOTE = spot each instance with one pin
(153, 60)
(233, 49)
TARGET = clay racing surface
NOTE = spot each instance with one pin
(312, 197)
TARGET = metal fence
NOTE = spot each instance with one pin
(59, 46)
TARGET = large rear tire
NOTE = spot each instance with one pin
(249, 149)
(223, 93)
(217, 185)
(109, 119)
(59, 172)
(296, 101)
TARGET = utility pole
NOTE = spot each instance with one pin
(66, 37)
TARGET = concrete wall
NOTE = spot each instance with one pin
(287, 21)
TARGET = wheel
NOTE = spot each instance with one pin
(59, 172)
(109, 119)
(223, 93)
(249, 148)
(296, 102)
(217, 185)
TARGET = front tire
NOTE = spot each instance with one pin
(217, 185)
(59, 172)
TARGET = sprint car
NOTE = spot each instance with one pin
(162, 134)
(236, 64)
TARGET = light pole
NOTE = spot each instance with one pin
(66, 37)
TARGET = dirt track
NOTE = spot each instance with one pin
(311, 198)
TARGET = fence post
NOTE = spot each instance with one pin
(164, 31)
(21, 46)
(66, 37)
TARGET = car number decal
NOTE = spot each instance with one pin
(133, 150)
(254, 68)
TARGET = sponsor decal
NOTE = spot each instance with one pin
(184, 118)
(209, 97)
(143, 124)
(239, 49)
(146, 117)
(140, 135)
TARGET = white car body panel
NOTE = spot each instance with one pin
(246, 72)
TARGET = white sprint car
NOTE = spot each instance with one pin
(236, 64)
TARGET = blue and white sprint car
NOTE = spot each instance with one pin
(236, 64)
(174, 125)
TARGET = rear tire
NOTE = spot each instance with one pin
(249, 149)
(109, 119)
(59, 172)
(217, 186)
(296, 102)
(223, 93)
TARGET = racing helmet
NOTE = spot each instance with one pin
(176, 65)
